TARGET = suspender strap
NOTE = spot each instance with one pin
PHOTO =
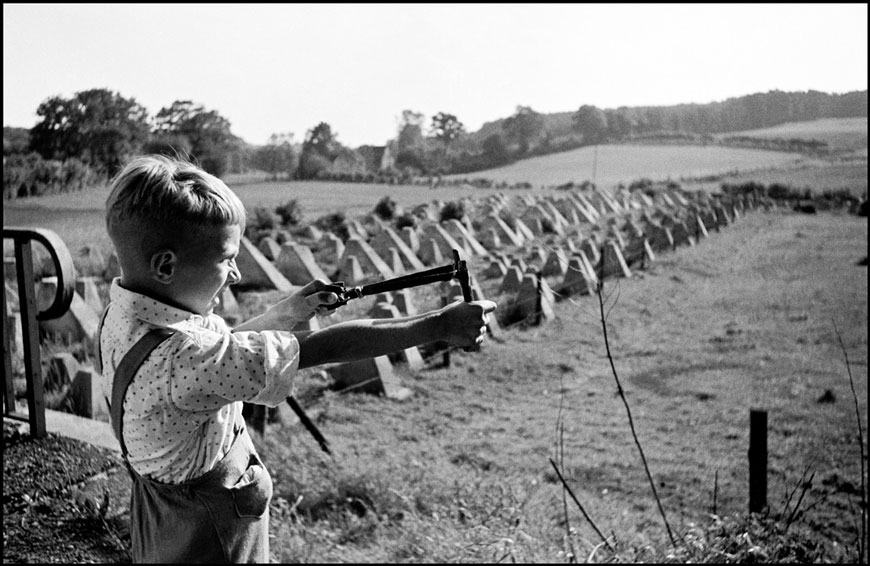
(124, 374)
(134, 358)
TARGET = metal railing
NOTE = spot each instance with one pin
(23, 239)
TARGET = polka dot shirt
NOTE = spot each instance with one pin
(185, 401)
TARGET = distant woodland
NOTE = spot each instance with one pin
(84, 140)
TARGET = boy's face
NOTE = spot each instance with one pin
(206, 267)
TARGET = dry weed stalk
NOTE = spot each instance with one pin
(600, 293)
(862, 539)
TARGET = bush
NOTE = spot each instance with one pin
(336, 223)
(385, 208)
(290, 213)
(262, 222)
(453, 210)
(406, 220)
(27, 175)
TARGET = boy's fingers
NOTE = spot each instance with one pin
(322, 298)
(488, 306)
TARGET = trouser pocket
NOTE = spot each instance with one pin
(252, 492)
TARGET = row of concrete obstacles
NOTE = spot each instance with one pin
(528, 249)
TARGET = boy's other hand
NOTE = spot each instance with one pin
(465, 323)
(307, 301)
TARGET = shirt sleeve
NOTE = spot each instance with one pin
(213, 367)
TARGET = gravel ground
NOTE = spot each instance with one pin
(64, 501)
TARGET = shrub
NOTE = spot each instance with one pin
(407, 219)
(336, 223)
(26, 175)
(453, 209)
(290, 212)
(385, 208)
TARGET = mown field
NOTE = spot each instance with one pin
(839, 133)
(608, 165)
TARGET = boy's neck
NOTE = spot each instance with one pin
(153, 291)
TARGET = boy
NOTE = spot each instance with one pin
(177, 375)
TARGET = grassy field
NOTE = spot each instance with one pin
(624, 163)
(839, 133)
(460, 472)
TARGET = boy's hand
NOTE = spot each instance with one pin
(465, 323)
(307, 302)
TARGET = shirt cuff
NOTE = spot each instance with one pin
(281, 361)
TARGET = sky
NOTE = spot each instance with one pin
(277, 68)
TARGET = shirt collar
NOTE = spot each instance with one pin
(151, 310)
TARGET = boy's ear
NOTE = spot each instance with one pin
(163, 264)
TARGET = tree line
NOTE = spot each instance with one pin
(86, 138)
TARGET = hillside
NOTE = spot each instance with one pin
(757, 110)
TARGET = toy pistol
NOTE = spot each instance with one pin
(456, 270)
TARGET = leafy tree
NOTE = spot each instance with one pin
(591, 122)
(495, 149)
(410, 131)
(99, 126)
(447, 129)
(278, 156)
(319, 150)
(209, 134)
(170, 145)
(322, 141)
(410, 143)
(620, 122)
(15, 140)
(523, 127)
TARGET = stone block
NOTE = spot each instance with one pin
(350, 271)
(269, 248)
(556, 264)
(297, 264)
(577, 280)
(388, 239)
(87, 396)
(404, 301)
(370, 262)
(372, 375)
(534, 301)
(78, 324)
(612, 262)
(512, 281)
(258, 271)
(333, 246)
(87, 288)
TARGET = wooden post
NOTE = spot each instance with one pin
(757, 460)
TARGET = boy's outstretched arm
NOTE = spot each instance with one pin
(461, 324)
(296, 308)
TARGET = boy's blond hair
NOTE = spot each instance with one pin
(157, 202)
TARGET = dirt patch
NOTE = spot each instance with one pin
(51, 511)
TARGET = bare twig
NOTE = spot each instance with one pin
(806, 486)
(560, 426)
(794, 490)
(579, 505)
(715, 489)
(600, 292)
(862, 549)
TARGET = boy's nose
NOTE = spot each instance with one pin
(235, 274)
